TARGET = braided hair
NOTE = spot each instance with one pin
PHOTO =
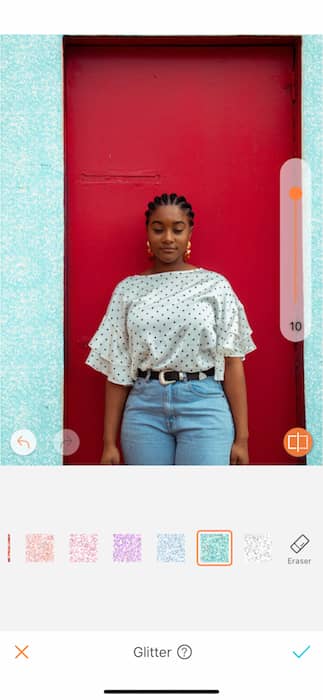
(166, 199)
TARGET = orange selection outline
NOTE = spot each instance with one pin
(231, 547)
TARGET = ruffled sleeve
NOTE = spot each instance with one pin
(109, 345)
(232, 327)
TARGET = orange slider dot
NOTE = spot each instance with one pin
(295, 193)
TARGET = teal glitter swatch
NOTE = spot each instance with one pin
(214, 548)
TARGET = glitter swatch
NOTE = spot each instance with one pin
(39, 548)
(171, 547)
(83, 548)
(126, 548)
(214, 547)
(258, 547)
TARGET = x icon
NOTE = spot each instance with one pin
(22, 651)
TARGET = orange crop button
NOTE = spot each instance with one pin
(298, 442)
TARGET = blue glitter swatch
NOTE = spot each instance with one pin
(171, 547)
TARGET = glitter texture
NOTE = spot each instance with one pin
(83, 548)
(214, 547)
(258, 547)
(170, 547)
(312, 152)
(32, 190)
(126, 548)
(39, 548)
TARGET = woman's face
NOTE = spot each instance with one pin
(168, 233)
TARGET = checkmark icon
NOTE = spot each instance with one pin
(299, 656)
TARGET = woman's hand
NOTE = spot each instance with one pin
(110, 455)
(239, 452)
(234, 385)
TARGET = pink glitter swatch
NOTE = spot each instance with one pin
(126, 548)
(39, 548)
(83, 548)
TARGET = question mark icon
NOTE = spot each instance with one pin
(184, 651)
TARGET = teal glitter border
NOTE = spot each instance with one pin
(32, 172)
(312, 152)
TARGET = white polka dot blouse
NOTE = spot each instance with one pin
(185, 320)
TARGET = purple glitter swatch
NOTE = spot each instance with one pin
(126, 547)
(83, 548)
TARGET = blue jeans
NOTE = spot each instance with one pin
(186, 423)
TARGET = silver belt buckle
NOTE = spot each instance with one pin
(162, 379)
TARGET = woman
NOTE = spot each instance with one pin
(171, 344)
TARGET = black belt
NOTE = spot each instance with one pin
(168, 376)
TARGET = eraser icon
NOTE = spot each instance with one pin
(299, 544)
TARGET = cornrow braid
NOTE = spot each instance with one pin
(166, 199)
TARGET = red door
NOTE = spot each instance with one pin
(207, 118)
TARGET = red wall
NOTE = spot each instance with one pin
(212, 122)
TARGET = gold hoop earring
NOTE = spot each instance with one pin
(187, 253)
(149, 250)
